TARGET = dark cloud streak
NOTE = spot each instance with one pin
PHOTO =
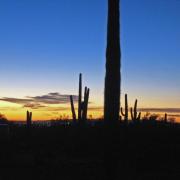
(16, 100)
(43, 101)
(168, 110)
(53, 98)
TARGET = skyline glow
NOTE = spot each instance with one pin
(46, 44)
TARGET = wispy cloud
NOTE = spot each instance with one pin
(53, 98)
(16, 100)
(168, 110)
(36, 102)
(174, 115)
(10, 108)
(34, 105)
(56, 109)
(44, 102)
(96, 108)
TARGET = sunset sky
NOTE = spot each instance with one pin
(45, 44)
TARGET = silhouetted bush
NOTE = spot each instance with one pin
(3, 119)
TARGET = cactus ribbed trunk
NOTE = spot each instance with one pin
(113, 58)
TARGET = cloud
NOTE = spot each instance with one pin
(56, 109)
(16, 100)
(167, 110)
(36, 102)
(174, 115)
(10, 108)
(95, 108)
(53, 98)
(34, 105)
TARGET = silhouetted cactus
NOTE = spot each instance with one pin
(134, 114)
(113, 56)
(80, 98)
(72, 109)
(85, 104)
(29, 119)
(165, 118)
(125, 114)
(82, 105)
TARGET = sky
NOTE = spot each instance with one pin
(45, 44)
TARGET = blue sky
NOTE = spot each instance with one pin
(44, 44)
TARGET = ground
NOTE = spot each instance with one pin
(139, 151)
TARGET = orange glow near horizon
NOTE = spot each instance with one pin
(16, 112)
(43, 115)
(20, 114)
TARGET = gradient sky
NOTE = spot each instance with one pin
(44, 44)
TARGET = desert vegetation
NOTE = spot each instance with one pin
(124, 144)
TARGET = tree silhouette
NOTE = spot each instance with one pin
(113, 57)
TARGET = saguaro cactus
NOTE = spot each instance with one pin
(29, 119)
(82, 105)
(134, 114)
(125, 114)
(113, 56)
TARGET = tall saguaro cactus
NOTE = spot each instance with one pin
(113, 57)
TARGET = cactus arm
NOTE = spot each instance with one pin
(165, 117)
(85, 104)
(132, 116)
(135, 109)
(126, 107)
(27, 119)
(30, 117)
(80, 97)
(125, 112)
(139, 116)
(85, 93)
(27, 116)
(73, 109)
(122, 113)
